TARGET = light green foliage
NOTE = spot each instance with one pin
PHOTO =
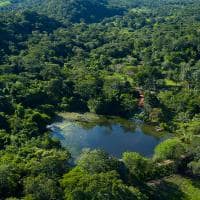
(156, 115)
(78, 185)
(172, 83)
(4, 3)
(169, 149)
(177, 187)
(195, 167)
(53, 58)
(137, 165)
(51, 163)
(97, 161)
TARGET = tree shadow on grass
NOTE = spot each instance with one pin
(194, 179)
(167, 191)
(196, 182)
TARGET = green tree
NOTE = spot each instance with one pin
(41, 188)
(51, 163)
(169, 149)
(4, 139)
(137, 165)
(9, 180)
(78, 185)
(97, 161)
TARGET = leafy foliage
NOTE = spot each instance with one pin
(78, 184)
(127, 58)
(169, 149)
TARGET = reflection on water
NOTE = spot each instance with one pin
(115, 136)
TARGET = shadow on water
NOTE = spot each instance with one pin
(115, 135)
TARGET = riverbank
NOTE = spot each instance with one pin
(83, 117)
(90, 119)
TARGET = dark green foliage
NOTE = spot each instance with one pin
(97, 161)
(137, 165)
(4, 139)
(194, 154)
(51, 163)
(79, 185)
(41, 187)
(53, 57)
(74, 11)
(9, 180)
(162, 169)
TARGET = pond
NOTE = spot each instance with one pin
(112, 134)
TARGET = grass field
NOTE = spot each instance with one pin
(171, 83)
(4, 3)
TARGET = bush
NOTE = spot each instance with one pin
(9, 180)
(195, 167)
(97, 161)
(4, 139)
(163, 169)
(169, 149)
(137, 165)
(41, 187)
(79, 185)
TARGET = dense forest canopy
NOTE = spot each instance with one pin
(68, 10)
(98, 56)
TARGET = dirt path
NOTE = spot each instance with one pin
(141, 99)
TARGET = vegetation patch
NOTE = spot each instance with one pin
(98, 56)
(4, 3)
(178, 187)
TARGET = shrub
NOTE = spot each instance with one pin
(137, 165)
(169, 149)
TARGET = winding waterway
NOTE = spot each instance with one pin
(112, 134)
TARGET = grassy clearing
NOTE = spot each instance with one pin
(171, 83)
(71, 116)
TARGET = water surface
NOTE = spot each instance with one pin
(114, 135)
